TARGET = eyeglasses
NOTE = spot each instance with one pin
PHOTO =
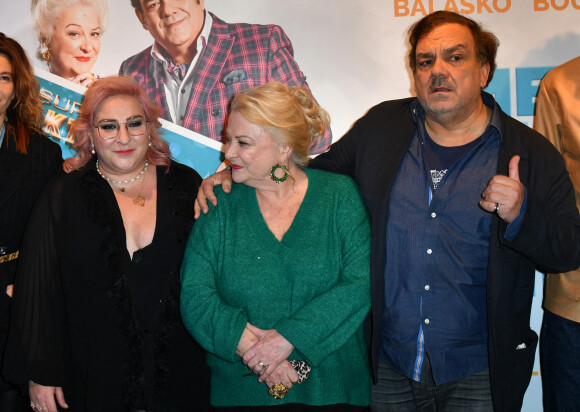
(109, 129)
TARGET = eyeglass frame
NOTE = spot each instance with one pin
(113, 121)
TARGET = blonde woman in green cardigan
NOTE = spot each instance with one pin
(278, 274)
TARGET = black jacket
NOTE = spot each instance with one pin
(549, 238)
(22, 178)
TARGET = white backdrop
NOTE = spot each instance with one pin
(354, 54)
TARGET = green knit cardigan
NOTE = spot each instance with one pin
(313, 287)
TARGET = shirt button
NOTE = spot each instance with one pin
(216, 112)
(427, 287)
(426, 321)
(429, 251)
(433, 215)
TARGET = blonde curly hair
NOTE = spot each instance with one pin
(288, 113)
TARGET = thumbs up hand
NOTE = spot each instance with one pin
(504, 194)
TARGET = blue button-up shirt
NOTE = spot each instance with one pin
(436, 259)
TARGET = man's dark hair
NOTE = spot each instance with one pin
(486, 43)
(137, 5)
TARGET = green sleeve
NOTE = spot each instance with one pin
(216, 325)
(326, 323)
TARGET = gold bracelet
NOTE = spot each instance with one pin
(8, 258)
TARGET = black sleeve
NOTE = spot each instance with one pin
(38, 347)
(340, 158)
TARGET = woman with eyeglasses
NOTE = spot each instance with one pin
(96, 323)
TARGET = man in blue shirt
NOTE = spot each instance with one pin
(465, 204)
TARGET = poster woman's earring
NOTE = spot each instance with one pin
(93, 147)
(45, 53)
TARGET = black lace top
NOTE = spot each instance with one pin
(88, 318)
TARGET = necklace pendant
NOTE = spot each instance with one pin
(122, 189)
(139, 201)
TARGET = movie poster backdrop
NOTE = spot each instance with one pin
(354, 54)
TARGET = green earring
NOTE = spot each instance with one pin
(277, 179)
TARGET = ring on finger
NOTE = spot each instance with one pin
(496, 208)
(278, 391)
(263, 366)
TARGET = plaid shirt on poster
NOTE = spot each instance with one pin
(236, 57)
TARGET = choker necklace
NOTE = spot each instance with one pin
(139, 200)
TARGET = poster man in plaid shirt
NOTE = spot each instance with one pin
(198, 63)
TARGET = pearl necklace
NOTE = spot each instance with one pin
(120, 182)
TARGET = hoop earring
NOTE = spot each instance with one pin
(277, 179)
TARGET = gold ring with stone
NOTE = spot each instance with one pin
(278, 391)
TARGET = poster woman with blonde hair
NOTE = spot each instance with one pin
(69, 33)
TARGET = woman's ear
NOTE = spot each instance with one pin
(285, 153)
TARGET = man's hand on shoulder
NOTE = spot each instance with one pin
(206, 191)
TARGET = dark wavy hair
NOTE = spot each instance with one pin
(25, 112)
(83, 127)
(486, 44)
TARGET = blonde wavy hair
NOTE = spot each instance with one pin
(289, 114)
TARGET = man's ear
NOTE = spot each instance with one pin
(484, 70)
(141, 19)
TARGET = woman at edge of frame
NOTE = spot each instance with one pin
(27, 162)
